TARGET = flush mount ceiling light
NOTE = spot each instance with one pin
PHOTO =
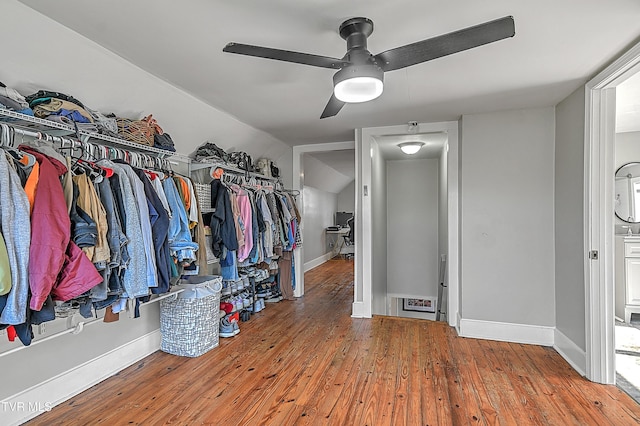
(411, 148)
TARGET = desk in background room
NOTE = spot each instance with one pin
(335, 239)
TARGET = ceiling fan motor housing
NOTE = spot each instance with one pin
(355, 31)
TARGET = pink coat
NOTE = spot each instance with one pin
(57, 266)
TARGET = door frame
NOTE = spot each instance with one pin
(600, 110)
(365, 141)
(298, 184)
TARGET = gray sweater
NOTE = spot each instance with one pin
(16, 229)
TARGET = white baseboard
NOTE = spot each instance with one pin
(31, 402)
(507, 332)
(317, 261)
(357, 310)
(571, 352)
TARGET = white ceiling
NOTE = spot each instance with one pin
(558, 45)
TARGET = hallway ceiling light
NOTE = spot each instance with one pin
(411, 148)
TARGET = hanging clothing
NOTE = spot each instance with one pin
(134, 279)
(181, 245)
(89, 202)
(245, 221)
(223, 230)
(285, 264)
(145, 223)
(16, 230)
(5, 269)
(159, 233)
(56, 264)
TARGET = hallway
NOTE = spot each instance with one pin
(308, 362)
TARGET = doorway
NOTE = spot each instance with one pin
(599, 207)
(299, 153)
(371, 237)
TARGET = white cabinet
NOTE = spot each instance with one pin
(632, 277)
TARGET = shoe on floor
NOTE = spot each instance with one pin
(226, 328)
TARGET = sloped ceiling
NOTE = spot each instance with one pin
(557, 47)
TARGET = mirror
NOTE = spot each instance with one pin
(627, 190)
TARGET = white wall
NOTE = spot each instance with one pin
(507, 234)
(569, 223)
(412, 227)
(319, 211)
(378, 194)
(50, 56)
(347, 198)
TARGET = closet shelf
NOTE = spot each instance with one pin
(35, 124)
(227, 167)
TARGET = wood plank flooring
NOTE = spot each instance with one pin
(307, 362)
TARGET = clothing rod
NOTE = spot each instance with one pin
(77, 329)
(149, 160)
(226, 167)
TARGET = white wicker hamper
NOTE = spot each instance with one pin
(189, 322)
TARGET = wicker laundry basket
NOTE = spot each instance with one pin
(189, 322)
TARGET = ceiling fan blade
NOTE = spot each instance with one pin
(285, 55)
(447, 44)
(333, 107)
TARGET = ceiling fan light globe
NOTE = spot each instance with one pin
(411, 148)
(358, 89)
(358, 83)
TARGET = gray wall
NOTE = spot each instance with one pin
(412, 227)
(569, 199)
(507, 217)
(378, 195)
(347, 198)
(319, 212)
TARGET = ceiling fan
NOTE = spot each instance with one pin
(361, 74)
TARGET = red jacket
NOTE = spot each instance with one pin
(57, 266)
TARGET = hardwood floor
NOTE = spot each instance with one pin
(308, 362)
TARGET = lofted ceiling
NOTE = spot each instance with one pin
(558, 45)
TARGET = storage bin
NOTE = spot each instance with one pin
(189, 322)
(203, 192)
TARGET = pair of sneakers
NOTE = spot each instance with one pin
(258, 305)
(274, 298)
(229, 325)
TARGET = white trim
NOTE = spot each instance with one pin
(571, 352)
(317, 261)
(78, 379)
(458, 321)
(298, 184)
(507, 332)
(357, 309)
(598, 212)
